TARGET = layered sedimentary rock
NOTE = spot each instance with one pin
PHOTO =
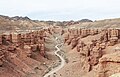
(17, 51)
(92, 50)
(109, 65)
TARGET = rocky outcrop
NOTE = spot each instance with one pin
(93, 51)
(18, 50)
(109, 65)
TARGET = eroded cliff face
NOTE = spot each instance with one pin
(93, 47)
(22, 55)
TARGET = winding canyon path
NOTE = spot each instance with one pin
(62, 62)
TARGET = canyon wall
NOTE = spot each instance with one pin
(93, 45)
(21, 53)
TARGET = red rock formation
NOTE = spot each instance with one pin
(16, 51)
(93, 50)
(74, 43)
(93, 31)
(80, 45)
(109, 64)
(84, 32)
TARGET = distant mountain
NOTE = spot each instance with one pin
(107, 23)
(20, 18)
(85, 20)
(25, 23)
(21, 23)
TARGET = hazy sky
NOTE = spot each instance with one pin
(61, 9)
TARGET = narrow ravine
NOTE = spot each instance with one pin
(62, 62)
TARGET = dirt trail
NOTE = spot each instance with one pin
(62, 62)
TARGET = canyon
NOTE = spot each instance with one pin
(31, 48)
